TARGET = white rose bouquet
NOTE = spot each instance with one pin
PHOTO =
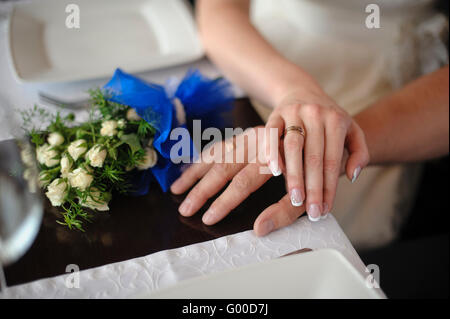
(125, 144)
(81, 165)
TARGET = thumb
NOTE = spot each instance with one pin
(358, 153)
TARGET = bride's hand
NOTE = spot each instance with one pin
(312, 160)
(328, 130)
(246, 177)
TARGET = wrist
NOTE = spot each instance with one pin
(295, 82)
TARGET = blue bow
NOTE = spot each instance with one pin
(202, 98)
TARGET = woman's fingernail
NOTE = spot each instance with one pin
(266, 227)
(208, 217)
(185, 207)
(314, 212)
(274, 168)
(325, 211)
(296, 197)
(356, 173)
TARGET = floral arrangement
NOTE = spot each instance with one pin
(123, 146)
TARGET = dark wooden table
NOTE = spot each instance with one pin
(137, 226)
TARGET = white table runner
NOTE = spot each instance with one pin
(143, 275)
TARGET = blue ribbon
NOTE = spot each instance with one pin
(202, 98)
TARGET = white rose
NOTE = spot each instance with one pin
(96, 155)
(109, 128)
(40, 154)
(66, 166)
(121, 123)
(76, 148)
(149, 160)
(94, 201)
(55, 139)
(45, 154)
(132, 115)
(80, 178)
(57, 192)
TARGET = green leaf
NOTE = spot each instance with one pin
(113, 153)
(133, 142)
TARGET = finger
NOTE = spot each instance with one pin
(211, 183)
(313, 160)
(273, 131)
(335, 132)
(293, 157)
(243, 184)
(358, 152)
(190, 177)
(276, 216)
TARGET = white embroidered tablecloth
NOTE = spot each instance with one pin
(142, 275)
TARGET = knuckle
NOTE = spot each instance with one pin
(241, 182)
(331, 165)
(314, 195)
(196, 194)
(339, 121)
(313, 160)
(295, 109)
(312, 110)
(222, 170)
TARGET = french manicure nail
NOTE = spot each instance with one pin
(356, 173)
(296, 197)
(314, 212)
(185, 207)
(266, 227)
(325, 211)
(274, 168)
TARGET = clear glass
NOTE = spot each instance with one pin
(20, 202)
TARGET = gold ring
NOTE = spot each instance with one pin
(295, 128)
